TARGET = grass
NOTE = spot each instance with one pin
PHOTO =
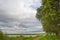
(49, 37)
(38, 37)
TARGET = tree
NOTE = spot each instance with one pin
(1, 36)
(49, 14)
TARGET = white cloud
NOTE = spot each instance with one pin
(18, 8)
(13, 12)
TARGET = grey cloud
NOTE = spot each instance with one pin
(9, 21)
(6, 21)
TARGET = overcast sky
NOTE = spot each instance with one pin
(19, 14)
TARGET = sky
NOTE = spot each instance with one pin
(18, 16)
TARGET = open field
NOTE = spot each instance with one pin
(29, 37)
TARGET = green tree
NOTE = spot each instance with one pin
(1, 36)
(49, 14)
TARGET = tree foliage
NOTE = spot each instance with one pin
(1, 36)
(49, 13)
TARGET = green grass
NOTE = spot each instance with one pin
(41, 37)
(49, 37)
(38, 37)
